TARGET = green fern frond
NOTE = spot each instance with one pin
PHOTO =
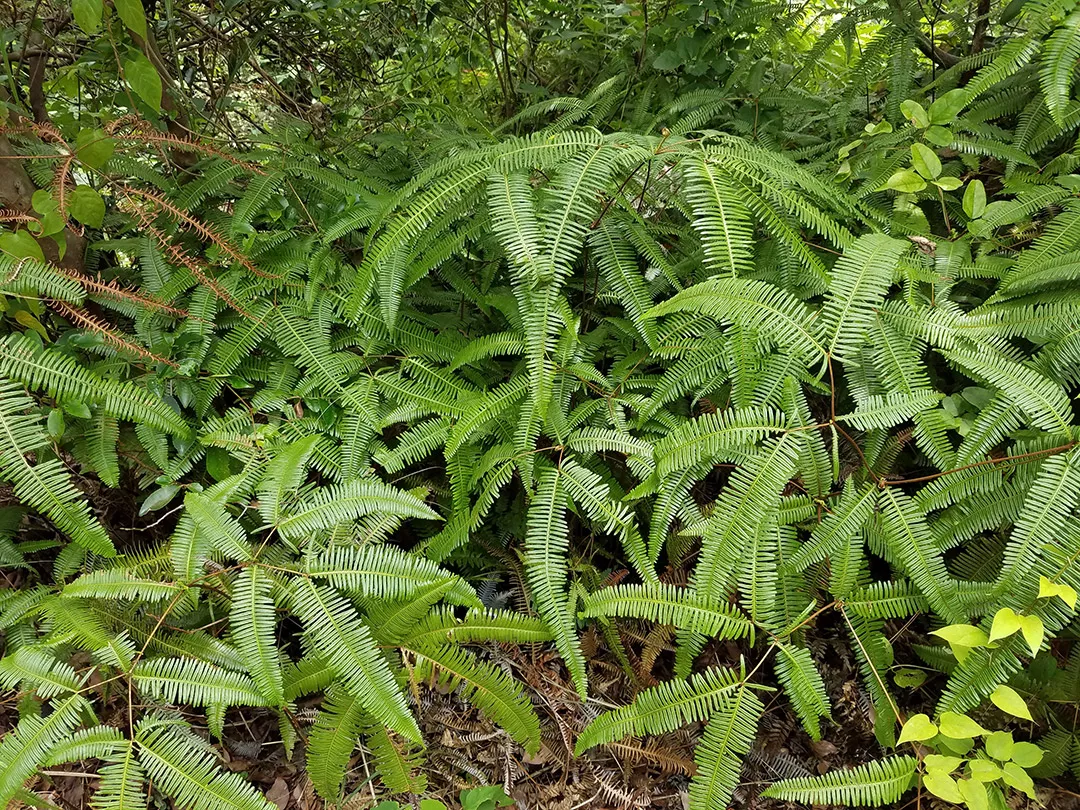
(668, 604)
(775, 312)
(62, 377)
(728, 737)
(483, 684)
(184, 681)
(386, 573)
(876, 783)
(664, 708)
(396, 764)
(121, 786)
(1056, 64)
(28, 745)
(799, 675)
(180, 767)
(44, 486)
(342, 639)
(546, 544)
(332, 741)
(252, 623)
(331, 506)
(721, 218)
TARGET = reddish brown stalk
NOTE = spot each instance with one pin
(189, 145)
(201, 228)
(180, 258)
(92, 324)
(11, 215)
(60, 181)
(111, 289)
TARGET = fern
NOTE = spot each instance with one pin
(876, 783)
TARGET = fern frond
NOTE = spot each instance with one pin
(180, 767)
(664, 708)
(386, 573)
(185, 681)
(668, 604)
(546, 544)
(799, 675)
(1056, 63)
(876, 783)
(483, 684)
(332, 741)
(44, 486)
(728, 737)
(342, 639)
(252, 623)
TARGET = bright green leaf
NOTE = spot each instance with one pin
(984, 770)
(1026, 755)
(87, 14)
(86, 206)
(1017, 777)
(1048, 589)
(913, 111)
(959, 726)
(974, 793)
(942, 786)
(94, 148)
(946, 106)
(975, 199)
(1033, 630)
(942, 764)
(1006, 622)
(143, 78)
(918, 727)
(1010, 702)
(999, 745)
(131, 12)
(21, 245)
(905, 181)
(925, 161)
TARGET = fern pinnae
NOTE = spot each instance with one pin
(546, 544)
(252, 624)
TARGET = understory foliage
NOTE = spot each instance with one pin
(734, 377)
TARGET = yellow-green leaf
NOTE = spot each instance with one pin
(941, 764)
(1010, 702)
(918, 727)
(1026, 755)
(905, 181)
(943, 787)
(974, 793)
(975, 199)
(1033, 630)
(143, 78)
(1048, 589)
(984, 770)
(1017, 777)
(1006, 622)
(925, 161)
(131, 12)
(87, 14)
(959, 726)
(999, 745)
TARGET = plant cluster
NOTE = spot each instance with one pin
(391, 408)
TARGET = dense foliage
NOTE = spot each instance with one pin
(330, 369)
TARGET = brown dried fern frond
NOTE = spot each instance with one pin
(110, 289)
(201, 228)
(94, 324)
